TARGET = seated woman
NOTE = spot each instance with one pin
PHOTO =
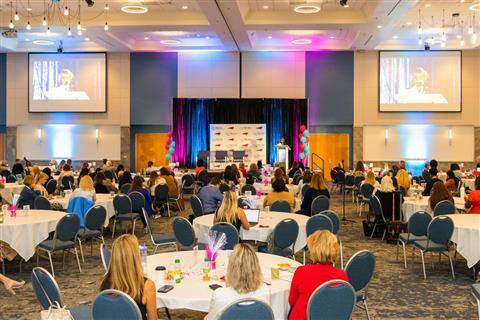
(279, 174)
(386, 184)
(28, 195)
(137, 185)
(472, 202)
(244, 279)
(317, 188)
(306, 179)
(279, 194)
(125, 177)
(39, 182)
(456, 170)
(170, 180)
(439, 193)
(403, 179)
(241, 168)
(294, 169)
(452, 182)
(83, 172)
(359, 169)
(18, 169)
(200, 166)
(370, 179)
(125, 273)
(48, 172)
(66, 171)
(231, 213)
(99, 184)
(85, 189)
(253, 171)
(230, 176)
(323, 248)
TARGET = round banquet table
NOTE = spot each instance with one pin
(194, 294)
(270, 219)
(469, 182)
(258, 202)
(24, 233)
(10, 189)
(466, 234)
(410, 205)
(103, 199)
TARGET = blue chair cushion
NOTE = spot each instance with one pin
(286, 252)
(164, 238)
(56, 245)
(128, 216)
(263, 249)
(432, 246)
(201, 246)
(81, 312)
(476, 290)
(88, 234)
(404, 238)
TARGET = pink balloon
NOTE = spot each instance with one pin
(303, 128)
(300, 136)
(170, 134)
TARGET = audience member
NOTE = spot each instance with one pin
(439, 193)
(39, 183)
(472, 202)
(386, 184)
(295, 168)
(231, 213)
(137, 185)
(28, 195)
(452, 181)
(18, 169)
(253, 171)
(10, 284)
(279, 193)
(99, 184)
(85, 189)
(66, 171)
(150, 167)
(403, 179)
(359, 169)
(456, 171)
(230, 175)
(433, 178)
(200, 166)
(306, 179)
(370, 179)
(210, 196)
(170, 180)
(317, 188)
(241, 168)
(126, 177)
(48, 172)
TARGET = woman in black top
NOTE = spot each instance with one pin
(126, 177)
(317, 188)
(48, 172)
(99, 186)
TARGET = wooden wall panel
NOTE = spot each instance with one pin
(150, 146)
(333, 148)
(2, 145)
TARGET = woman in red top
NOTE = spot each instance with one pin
(323, 248)
(473, 200)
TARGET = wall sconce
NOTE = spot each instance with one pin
(96, 135)
(450, 136)
(386, 135)
(39, 134)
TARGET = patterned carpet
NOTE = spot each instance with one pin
(394, 293)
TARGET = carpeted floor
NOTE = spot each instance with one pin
(394, 293)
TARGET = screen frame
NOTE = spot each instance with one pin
(379, 109)
(72, 53)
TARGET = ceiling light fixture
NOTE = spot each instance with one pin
(301, 41)
(428, 5)
(134, 9)
(170, 41)
(307, 8)
(266, 7)
(29, 26)
(146, 38)
(66, 12)
(43, 42)
(379, 26)
(332, 37)
(184, 7)
(87, 39)
(409, 23)
(395, 37)
(269, 37)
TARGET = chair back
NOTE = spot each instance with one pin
(366, 190)
(333, 175)
(122, 204)
(360, 269)
(114, 304)
(418, 223)
(125, 188)
(161, 193)
(440, 229)
(377, 208)
(285, 233)
(109, 174)
(68, 182)
(203, 178)
(95, 217)
(280, 206)
(41, 203)
(183, 231)
(340, 177)
(249, 187)
(305, 187)
(247, 309)
(358, 181)
(5, 173)
(67, 228)
(105, 254)
(349, 180)
(230, 232)
(318, 222)
(138, 201)
(46, 288)
(224, 188)
(197, 206)
(244, 203)
(334, 218)
(319, 204)
(334, 299)
(296, 178)
(187, 180)
(444, 207)
(51, 186)
(11, 178)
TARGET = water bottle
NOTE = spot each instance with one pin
(178, 271)
(143, 256)
(462, 192)
(206, 269)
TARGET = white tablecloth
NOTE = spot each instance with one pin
(11, 188)
(466, 235)
(259, 202)
(265, 189)
(410, 205)
(193, 293)
(104, 200)
(270, 219)
(24, 233)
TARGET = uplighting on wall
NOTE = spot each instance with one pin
(39, 134)
(450, 136)
(386, 135)
(97, 135)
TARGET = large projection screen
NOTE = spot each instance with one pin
(67, 82)
(420, 81)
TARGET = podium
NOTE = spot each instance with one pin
(282, 155)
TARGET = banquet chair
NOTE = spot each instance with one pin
(305, 187)
(64, 239)
(284, 237)
(41, 203)
(349, 186)
(197, 206)
(224, 188)
(444, 207)
(281, 206)
(123, 211)
(51, 186)
(177, 199)
(114, 304)
(160, 198)
(319, 204)
(125, 188)
(184, 234)
(158, 239)
(48, 293)
(366, 192)
(79, 206)
(333, 176)
(248, 308)
(11, 178)
(476, 295)
(334, 299)
(340, 176)
(188, 183)
(439, 232)
(357, 181)
(316, 223)
(68, 183)
(230, 232)
(336, 228)
(249, 187)
(380, 220)
(416, 230)
(93, 227)
(138, 201)
(360, 269)
(109, 174)
(105, 255)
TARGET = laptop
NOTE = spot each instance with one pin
(253, 215)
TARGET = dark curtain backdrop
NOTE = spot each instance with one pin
(192, 119)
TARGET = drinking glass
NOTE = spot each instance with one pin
(26, 210)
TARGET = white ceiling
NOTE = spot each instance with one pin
(245, 25)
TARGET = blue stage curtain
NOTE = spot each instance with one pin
(274, 127)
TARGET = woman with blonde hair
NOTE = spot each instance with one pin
(243, 280)
(231, 213)
(370, 179)
(125, 273)
(38, 183)
(403, 179)
(85, 189)
(317, 188)
(324, 251)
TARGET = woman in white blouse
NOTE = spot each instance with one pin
(243, 280)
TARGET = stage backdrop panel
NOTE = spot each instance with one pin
(235, 137)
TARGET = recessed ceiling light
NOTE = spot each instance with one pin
(84, 29)
(301, 41)
(134, 8)
(395, 37)
(170, 41)
(87, 39)
(184, 7)
(146, 38)
(269, 37)
(266, 7)
(332, 37)
(307, 8)
(428, 5)
(409, 23)
(29, 9)
(27, 39)
(207, 37)
(462, 1)
(379, 26)
(42, 42)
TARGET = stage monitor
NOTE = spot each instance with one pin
(67, 82)
(420, 81)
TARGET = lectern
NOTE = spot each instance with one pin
(282, 155)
